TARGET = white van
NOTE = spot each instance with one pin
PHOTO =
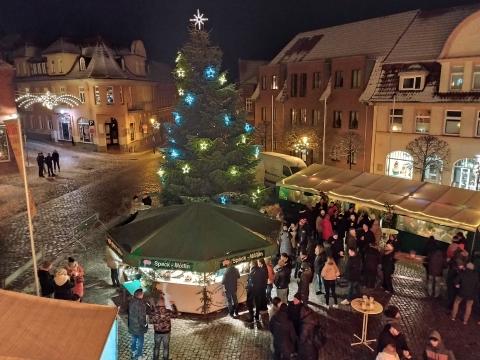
(275, 167)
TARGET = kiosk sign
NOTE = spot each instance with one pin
(244, 258)
(166, 264)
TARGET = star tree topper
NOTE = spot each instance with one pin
(198, 20)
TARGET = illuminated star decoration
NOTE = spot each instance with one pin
(179, 56)
(186, 169)
(210, 72)
(198, 20)
(223, 199)
(161, 172)
(177, 118)
(233, 171)
(203, 145)
(180, 73)
(174, 153)
(189, 99)
(226, 120)
(248, 128)
(181, 92)
(222, 79)
(256, 152)
(47, 100)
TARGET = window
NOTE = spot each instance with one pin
(411, 82)
(248, 105)
(315, 117)
(33, 69)
(337, 119)
(274, 82)
(81, 94)
(452, 122)
(24, 67)
(465, 174)
(4, 152)
(52, 67)
(352, 158)
(294, 117)
(353, 121)
(317, 80)
(120, 94)
(44, 68)
(338, 79)
(399, 164)
(303, 116)
(264, 114)
(422, 121)
(476, 78)
(334, 153)
(132, 131)
(264, 82)
(356, 79)
(478, 124)
(396, 120)
(110, 99)
(433, 171)
(97, 95)
(456, 78)
(63, 90)
(82, 64)
(303, 85)
(60, 65)
(293, 85)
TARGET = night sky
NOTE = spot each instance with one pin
(247, 29)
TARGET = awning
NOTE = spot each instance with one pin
(46, 329)
(439, 204)
(194, 237)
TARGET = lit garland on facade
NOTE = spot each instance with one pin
(47, 100)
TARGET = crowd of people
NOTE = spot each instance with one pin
(48, 164)
(65, 284)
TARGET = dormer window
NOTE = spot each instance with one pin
(456, 78)
(412, 82)
(476, 78)
(82, 64)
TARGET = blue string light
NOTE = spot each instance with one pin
(177, 117)
(210, 72)
(248, 128)
(174, 153)
(227, 120)
(223, 199)
(189, 99)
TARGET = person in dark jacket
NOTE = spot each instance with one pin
(293, 310)
(336, 247)
(319, 263)
(306, 278)
(353, 274)
(137, 323)
(351, 239)
(49, 163)
(391, 335)
(388, 267)
(56, 160)
(436, 263)
(436, 350)
(229, 282)
(283, 332)
(372, 260)
(310, 332)
(47, 285)
(256, 291)
(468, 286)
(63, 285)
(161, 318)
(282, 277)
(41, 164)
(430, 247)
(365, 238)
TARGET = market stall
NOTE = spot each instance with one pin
(182, 247)
(49, 329)
(422, 208)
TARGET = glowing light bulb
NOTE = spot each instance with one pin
(186, 169)
(243, 139)
(179, 56)
(181, 92)
(223, 199)
(222, 79)
(203, 145)
(189, 99)
(180, 73)
(256, 152)
(248, 128)
(226, 120)
(233, 171)
(210, 73)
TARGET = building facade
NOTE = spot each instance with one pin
(430, 84)
(8, 111)
(120, 93)
(247, 83)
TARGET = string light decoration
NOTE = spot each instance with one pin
(210, 73)
(174, 153)
(181, 92)
(203, 145)
(223, 199)
(248, 128)
(180, 73)
(233, 171)
(179, 57)
(256, 152)
(161, 172)
(222, 79)
(226, 120)
(47, 100)
(177, 118)
(198, 20)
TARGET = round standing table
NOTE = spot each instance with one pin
(357, 306)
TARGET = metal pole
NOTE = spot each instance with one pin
(324, 129)
(272, 122)
(29, 211)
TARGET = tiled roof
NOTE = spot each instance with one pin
(427, 34)
(62, 45)
(384, 86)
(103, 64)
(372, 37)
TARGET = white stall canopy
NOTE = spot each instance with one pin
(441, 204)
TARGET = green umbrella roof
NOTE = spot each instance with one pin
(200, 234)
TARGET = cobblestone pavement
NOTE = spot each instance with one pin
(106, 188)
(221, 337)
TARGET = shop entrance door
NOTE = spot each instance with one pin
(111, 132)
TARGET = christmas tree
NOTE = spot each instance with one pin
(209, 152)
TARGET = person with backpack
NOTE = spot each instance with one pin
(311, 337)
(161, 318)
